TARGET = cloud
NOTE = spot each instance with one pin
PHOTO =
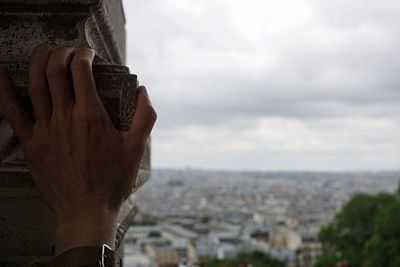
(213, 64)
(284, 144)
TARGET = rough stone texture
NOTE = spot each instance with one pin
(24, 24)
(26, 224)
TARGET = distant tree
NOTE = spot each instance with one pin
(366, 233)
(255, 259)
(383, 249)
(205, 220)
(154, 234)
(144, 220)
(328, 260)
(398, 189)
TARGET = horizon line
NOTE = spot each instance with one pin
(274, 170)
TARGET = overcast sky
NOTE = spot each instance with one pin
(270, 84)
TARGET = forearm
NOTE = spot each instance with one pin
(98, 256)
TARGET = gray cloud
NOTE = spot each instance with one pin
(210, 64)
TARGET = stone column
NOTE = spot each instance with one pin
(26, 224)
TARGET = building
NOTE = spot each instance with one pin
(161, 252)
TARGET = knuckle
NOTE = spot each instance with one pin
(62, 50)
(56, 69)
(81, 63)
(86, 53)
(57, 62)
(151, 114)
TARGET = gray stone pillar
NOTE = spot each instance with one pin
(26, 224)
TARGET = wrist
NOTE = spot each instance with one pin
(86, 229)
(88, 256)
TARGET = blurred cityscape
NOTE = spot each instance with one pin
(190, 215)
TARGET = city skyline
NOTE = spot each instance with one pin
(196, 214)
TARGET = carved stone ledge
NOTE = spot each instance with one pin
(79, 23)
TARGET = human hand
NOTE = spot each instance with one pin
(81, 164)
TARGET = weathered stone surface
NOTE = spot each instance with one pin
(116, 87)
(26, 223)
(98, 24)
(50, 2)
